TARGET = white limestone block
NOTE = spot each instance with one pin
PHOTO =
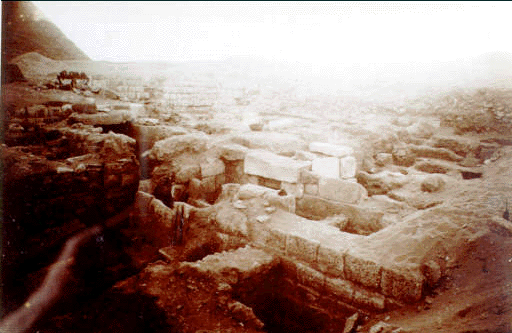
(269, 165)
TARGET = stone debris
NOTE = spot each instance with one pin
(350, 323)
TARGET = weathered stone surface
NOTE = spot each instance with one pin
(330, 260)
(340, 288)
(212, 167)
(234, 171)
(167, 149)
(362, 270)
(421, 129)
(249, 191)
(208, 184)
(341, 190)
(371, 300)
(458, 144)
(269, 165)
(295, 189)
(186, 172)
(350, 323)
(302, 248)
(271, 141)
(432, 166)
(348, 167)
(304, 156)
(403, 156)
(437, 153)
(330, 149)
(382, 182)
(284, 202)
(432, 272)
(328, 167)
(433, 183)
(231, 221)
(308, 177)
(233, 152)
(311, 189)
(310, 277)
(383, 159)
(147, 136)
(402, 284)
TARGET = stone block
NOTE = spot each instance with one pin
(328, 167)
(330, 149)
(212, 167)
(232, 221)
(219, 181)
(233, 152)
(403, 284)
(383, 159)
(348, 166)
(310, 277)
(341, 190)
(269, 165)
(272, 239)
(208, 184)
(330, 261)
(187, 172)
(284, 202)
(295, 189)
(362, 271)
(340, 288)
(304, 155)
(250, 191)
(311, 189)
(302, 248)
(252, 179)
(178, 192)
(143, 203)
(308, 177)
(194, 189)
(234, 171)
(371, 300)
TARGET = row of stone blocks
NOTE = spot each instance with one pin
(342, 263)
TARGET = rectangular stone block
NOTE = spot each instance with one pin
(233, 152)
(276, 240)
(284, 202)
(404, 285)
(330, 261)
(370, 300)
(362, 271)
(341, 190)
(340, 288)
(212, 167)
(311, 189)
(328, 167)
(143, 203)
(330, 149)
(348, 167)
(269, 165)
(310, 277)
(302, 248)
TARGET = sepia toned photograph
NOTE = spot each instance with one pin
(258, 166)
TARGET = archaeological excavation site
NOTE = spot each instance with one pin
(217, 197)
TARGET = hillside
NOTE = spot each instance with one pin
(24, 29)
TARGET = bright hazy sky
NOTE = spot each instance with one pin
(327, 32)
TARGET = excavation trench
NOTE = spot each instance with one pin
(283, 305)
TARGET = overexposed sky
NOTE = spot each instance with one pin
(309, 32)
